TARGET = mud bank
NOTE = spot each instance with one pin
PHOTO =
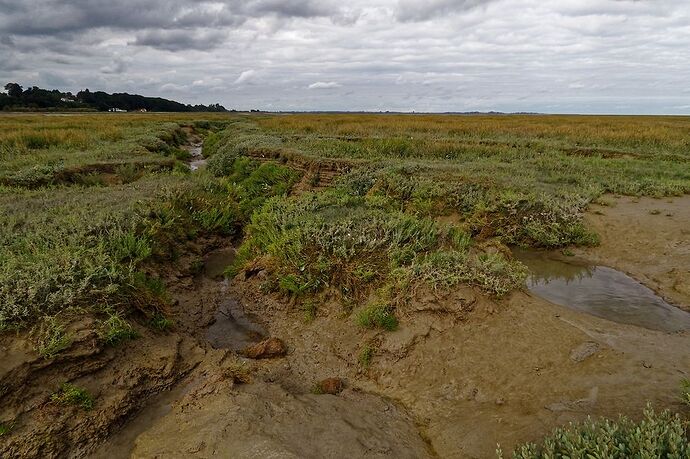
(462, 373)
(646, 238)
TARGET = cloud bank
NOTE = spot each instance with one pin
(570, 56)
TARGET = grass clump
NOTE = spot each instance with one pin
(366, 355)
(685, 391)
(160, 322)
(657, 435)
(116, 330)
(6, 428)
(309, 308)
(378, 316)
(69, 394)
(52, 337)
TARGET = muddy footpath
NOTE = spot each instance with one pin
(242, 375)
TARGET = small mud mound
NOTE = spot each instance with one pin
(263, 420)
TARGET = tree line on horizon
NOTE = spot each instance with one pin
(35, 98)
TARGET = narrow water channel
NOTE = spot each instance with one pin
(600, 291)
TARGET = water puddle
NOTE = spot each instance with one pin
(232, 329)
(216, 262)
(197, 161)
(600, 291)
(121, 444)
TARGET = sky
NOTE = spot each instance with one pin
(551, 56)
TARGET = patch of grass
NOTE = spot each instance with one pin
(115, 330)
(656, 435)
(6, 428)
(366, 355)
(685, 391)
(51, 337)
(69, 394)
(309, 308)
(378, 316)
(160, 322)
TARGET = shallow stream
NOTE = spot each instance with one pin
(600, 291)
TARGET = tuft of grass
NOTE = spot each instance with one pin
(656, 435)
(115, 330)
(52, 338)
(378, 316)
(685, 391)
(160, 322)
(69, 394)
(6, 428)
(309, 308)
(366, 355)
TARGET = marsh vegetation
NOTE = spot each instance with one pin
(361, 211)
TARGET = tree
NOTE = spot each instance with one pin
(13, 90)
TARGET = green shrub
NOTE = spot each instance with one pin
(69, 394)
(655, 436)
(378, 315)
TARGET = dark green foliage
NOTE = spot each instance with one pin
(38, 98)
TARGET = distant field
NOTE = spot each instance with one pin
(91, 203)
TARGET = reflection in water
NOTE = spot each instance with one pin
(232, 328)
(600, 291)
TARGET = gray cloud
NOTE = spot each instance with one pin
(176, 40)
(436, 55)
(414, 10)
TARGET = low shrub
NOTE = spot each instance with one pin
(657, 435)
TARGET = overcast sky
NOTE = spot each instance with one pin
(564, 56)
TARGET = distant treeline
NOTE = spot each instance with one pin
(36, 98)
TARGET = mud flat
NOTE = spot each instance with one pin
(646, 238)
(462, 374)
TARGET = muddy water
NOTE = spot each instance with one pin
(232, 329)
(601, 291)
(198, 159)
(216, 262)
(120, 446)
